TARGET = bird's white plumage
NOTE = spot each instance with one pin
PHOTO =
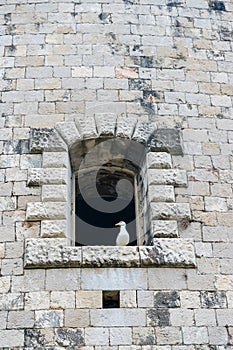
(123, 236)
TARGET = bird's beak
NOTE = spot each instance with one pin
(117, 224)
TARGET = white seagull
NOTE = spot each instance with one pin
(123, 236)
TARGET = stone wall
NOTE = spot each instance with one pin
(165, 62)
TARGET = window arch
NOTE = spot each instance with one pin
(65, 151)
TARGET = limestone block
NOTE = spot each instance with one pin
(63, 279)
(3, 319)
(145, 298)
(170, 211)
(62, 300)
(48, 318)
(110, 256)
(96, 336)
(125, 127)
(166, 278)
(48, 210)
(128, 298)
(55, 159)
(46, 139)
(161, 193)
(30, 161)
(118, 317)
(144, 132)
(32, 280)
(77, 318)
(11, 338)
(114, 279)
(88, 299)
(167, 177)
(195, 335)
(7, 203)
(169, 335)
(168, 140)
(39, 176)
(164, 228)
(11, 301)
(159, 160)
(106, 124)
(20, 319)
(53, 228)
(51, 252)
(120, 336)
(143, 335)
(37, 300)
(87, 127)
(54, 193)
(69, 132)
(166, 251)
(69, 337)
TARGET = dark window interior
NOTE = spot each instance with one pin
(95, 227)
(111, 299)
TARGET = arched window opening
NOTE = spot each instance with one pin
(93, 224)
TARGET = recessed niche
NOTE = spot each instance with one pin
(111, 299)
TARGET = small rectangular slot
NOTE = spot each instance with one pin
(111, 299)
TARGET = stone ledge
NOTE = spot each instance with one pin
(53, 252)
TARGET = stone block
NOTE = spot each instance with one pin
(106, 124)
(48, 318)
(62, 300)
(218, 335)
(54, 193)
(182, 317)
(143, 335)
(3, 319)
(7, 203)
(55, 159)
(28, 161)
(39, 176)
(77, 318)
(170, 211)
(166, 251)
(205, 317)
(47, 210)
(167, 177)
(158, 317)
(120, 336)
(114, 279)
(125, 127)
(12, 266)
(68, 132)
(159, 160)
(51, 252)
(32, 280)
(144, 132)
(195, 335)
(161, 193)
(46, 139)
(145, 298)
(37, 300)
(167, 299)
(128, 298)
(20, 319)
(69, 337)
(110, 256)
(167, 278)
(62, 279)
(169, 335)
(96, 336)
(190, 299)
(11, 301)
(168, 140)
(11, 338)
(118, 317)
(53, 228)
(88, 299)
(87, 127)
(164, 228)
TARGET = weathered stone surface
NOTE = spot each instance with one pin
(11, 338)
(55, 159)
(106, 124)
(51, 252)
(125, 127)
(164, 228)
(171, 211)
(69, 132)
(45, 139)
(166, 251)
(87, 127)
(167, 299)
(168, 140)
(34, 338)
(45, 210)
(54, 193)
(53, 228)
(110, 256)
(159, 160)
(167, 177)
(118, 317)
(161, 193)
(144, 132)
(48, 318)
(69, 336)
(39, 176)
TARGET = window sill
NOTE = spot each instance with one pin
(53, 252)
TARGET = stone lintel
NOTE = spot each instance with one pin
(53, 252)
